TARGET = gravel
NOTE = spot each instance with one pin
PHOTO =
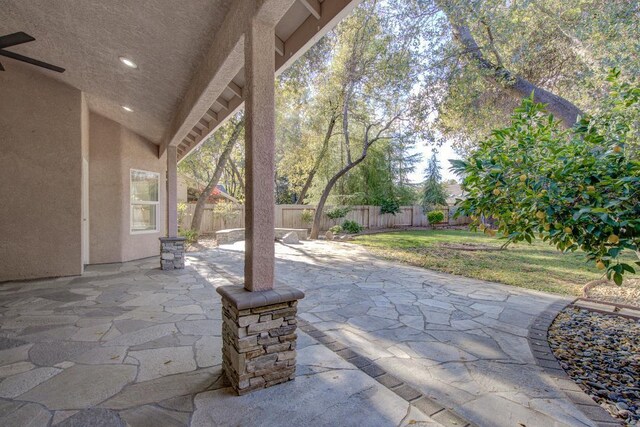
(602, 354)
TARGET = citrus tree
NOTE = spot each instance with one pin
(576, 188)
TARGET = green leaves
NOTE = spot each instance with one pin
(576, 189)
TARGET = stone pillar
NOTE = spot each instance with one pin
(171, 253)
(172, 191)
(259, 336)
(259, 151)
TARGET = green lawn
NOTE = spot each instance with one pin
(537, 266)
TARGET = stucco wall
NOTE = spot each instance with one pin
(114, 151)
(40, 176)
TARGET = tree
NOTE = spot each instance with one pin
(483, 57)
(200, 166)
(370, 79)
(576, 189)
(433, 192)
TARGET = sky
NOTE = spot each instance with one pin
(445, 152)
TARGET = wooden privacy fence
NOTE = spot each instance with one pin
(290, 216)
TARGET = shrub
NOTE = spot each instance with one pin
(390, 206)
(435, 217)
(338, 213)
(190, 235)
(335, 229)
(351, 227)
(306, 216)
(576, 188)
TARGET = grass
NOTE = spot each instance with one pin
(537, 266)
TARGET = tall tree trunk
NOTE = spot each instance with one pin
(237, 174)
(561, 108)
(316, 165)
(196, 221)
(315, 227)
(366, 143)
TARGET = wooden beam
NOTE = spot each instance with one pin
(279, 46)
(204, 122)
(212, 115)
(223, 103)
(313, 6)
(237, 90)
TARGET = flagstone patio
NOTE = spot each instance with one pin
(130, 344)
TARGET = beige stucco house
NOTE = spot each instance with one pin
(88, 156)
(87, 165)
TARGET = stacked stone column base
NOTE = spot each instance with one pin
(171, 252)
(259, 336)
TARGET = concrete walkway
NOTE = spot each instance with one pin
(129, 344)
(460, 341)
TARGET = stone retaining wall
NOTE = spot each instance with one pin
(236, 234)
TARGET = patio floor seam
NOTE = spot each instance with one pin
(445, 416)
(544, 357)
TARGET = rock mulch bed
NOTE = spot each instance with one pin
(602, 354)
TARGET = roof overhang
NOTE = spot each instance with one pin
(216, 92)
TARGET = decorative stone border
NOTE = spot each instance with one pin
(615, 309)
(428, 406)
(539, 344)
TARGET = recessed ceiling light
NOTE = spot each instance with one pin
(127, 108)
(126, 61)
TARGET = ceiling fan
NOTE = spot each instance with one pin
(19, 38)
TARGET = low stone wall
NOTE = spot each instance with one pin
(171, 253)
(236, 234)
(259, 343)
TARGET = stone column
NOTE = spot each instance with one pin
(259, 151)
(259, 322)
(172, 246)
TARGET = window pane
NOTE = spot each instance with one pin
(143, 217)
(144, 186)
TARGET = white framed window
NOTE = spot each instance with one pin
(145, 192)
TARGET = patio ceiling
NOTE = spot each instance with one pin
(175, 49)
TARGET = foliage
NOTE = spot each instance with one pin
(336, 229)
(433, 192)
(182, 210)
(576, 189)
(306, 216)
(338, 212)
(565, 47)
(435, 217)
(351, 227)
(226, 211)
(190, 235)
(389, 206)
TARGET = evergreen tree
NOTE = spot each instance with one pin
(433, 193)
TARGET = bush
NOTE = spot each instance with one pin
(351, 227)
(576, 188)
(435, 217)
(390, 206)
(190, 235)
(335, 229)
(306, 216)
(338, 213)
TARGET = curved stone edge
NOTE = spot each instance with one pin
(542, 353)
